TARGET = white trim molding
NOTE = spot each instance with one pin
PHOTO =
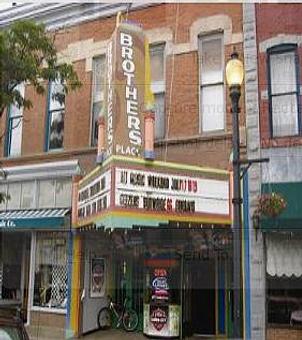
(83, 50)
(87, 49)
(279, 40)
(30, 300)
(48, 310)
(43, 170)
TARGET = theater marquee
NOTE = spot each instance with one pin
(162, 192)
(155, 192)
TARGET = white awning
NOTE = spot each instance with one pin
(284, 255)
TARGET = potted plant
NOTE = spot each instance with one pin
(269, 205)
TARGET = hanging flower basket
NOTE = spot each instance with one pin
(270, 205)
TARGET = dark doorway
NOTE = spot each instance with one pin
(202, 296)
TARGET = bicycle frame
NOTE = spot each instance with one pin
(119, 316)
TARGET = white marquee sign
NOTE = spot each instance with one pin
(155, 191)
(94, 197)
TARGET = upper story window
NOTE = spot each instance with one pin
(211, 78)
(14, 127)
(56, 112)
(98, 94)
(157, 60)
(283, 90)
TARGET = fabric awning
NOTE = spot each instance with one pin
(284, 254)
(35, 219)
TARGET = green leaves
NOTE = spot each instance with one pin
(270, 205)
(28, 54)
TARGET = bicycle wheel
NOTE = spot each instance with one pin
(130, 320)
(104, 319)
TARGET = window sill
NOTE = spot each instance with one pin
(49, 155)
(55, 150)
(285, 141)
(194, 139)
(48, 310)
(284, 326)
(13, 156)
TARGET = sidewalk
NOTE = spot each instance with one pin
(99, 335)
(122, 335)
(50, 334)
(113, 335)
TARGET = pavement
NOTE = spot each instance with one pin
(121, 335)
(46, 334)
(113, 335)
(101, 335)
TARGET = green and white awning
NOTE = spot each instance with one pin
(52, 219)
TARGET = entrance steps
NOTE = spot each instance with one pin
(45, 333)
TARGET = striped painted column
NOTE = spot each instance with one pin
(74, 285)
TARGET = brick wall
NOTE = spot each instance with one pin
(283, 333)
(284, 20)
(47, 319)
(184, 92)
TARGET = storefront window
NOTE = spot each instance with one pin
(3, 191)
(50, 289)
(14, 192)
(46, 193)
(284, 278)
(28, 195)
(284, 300)
(63, 193)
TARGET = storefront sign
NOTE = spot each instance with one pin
(153, 191)
(159, 317)
(159, 284)
(97, 279)
(125, 91)
(7, 224)
(94, 197)
(161, 320)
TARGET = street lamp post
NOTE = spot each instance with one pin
(234, 77)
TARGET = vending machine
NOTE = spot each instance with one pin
(162, 297)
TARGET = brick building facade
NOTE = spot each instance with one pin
(187, 43)
(177, 27)
(272, 34)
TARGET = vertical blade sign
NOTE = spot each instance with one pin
(125, 91)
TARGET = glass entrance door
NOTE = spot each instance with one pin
(199, 298)
(11, 265)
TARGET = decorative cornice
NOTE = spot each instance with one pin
(61, 15)
(43, 170)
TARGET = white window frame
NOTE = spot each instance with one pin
(159, 87)
(102, 95)
(10, 124)
(279, 50)
(31, 306)
(50, 113)
(205, 38)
